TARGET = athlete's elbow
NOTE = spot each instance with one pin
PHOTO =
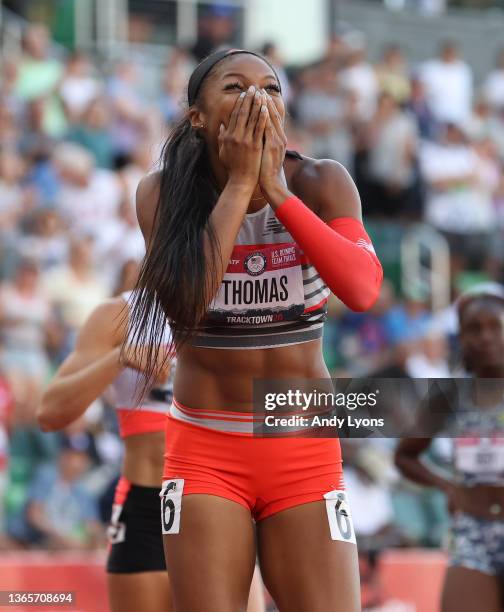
(46, 419)
(363, 300)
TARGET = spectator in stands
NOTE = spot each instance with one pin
(88, 197)
(392, 144)
(216, 28)
(448, 82)
(272, 54)
(39, 76)
(15, 200)
(45, 240)
(92, 132)
(36, 147)
(9, 76)
(429, 358)
(392, 73)
(460, 198)
(327, 113)
(365, 338)
(62, 514)
(173, 83)
(74, 289)
(9, 133)
(408, 320)
(128, 105)
(493, 87)
(143, 160)
(6, 409)
(359, 78)
(26, 327)
(421, 111)
(78, 86)
(122, 242)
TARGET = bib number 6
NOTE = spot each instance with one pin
(171, 504)
(338, 514)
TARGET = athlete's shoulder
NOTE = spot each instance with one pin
(148, 186)
(327, 187)
(106, 322)
(147, 198)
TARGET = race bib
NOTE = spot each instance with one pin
(116, 531)
(338, 514)
(261, 285)
(171, 505)
(479, 455)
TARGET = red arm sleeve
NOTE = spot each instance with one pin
(340, 250)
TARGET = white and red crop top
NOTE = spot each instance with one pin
(270, 295)
(122, 394)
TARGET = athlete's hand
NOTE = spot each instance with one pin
(241, 143)
(275, 143)
(454, 498)
(136, 358)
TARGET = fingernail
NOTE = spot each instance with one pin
(243, 94)
(257, 94)
(264, 109)
(251, 89)
(221, 128)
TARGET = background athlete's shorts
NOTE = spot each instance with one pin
(477, 544)
(135, 540)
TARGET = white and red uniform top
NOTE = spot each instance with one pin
(270, 296)
(149, 415)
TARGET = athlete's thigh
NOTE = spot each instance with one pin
(302, 567)
(145, 591)
(467, 590)
(211, 560)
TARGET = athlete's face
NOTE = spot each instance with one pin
(223, 86)
(482, 334)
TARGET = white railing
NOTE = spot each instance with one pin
(425, 264)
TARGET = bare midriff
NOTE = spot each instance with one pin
(143, 459)
(214, 379)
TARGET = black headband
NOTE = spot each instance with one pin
(203, 68)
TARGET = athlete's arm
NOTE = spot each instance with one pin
(408, 462)
(333, 238)
(88, 370)
(147, 197)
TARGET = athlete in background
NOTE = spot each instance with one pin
(475, 494)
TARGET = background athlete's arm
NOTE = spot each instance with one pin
(408, 462)
(87, 371)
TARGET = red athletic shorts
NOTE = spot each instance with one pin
(211, 453)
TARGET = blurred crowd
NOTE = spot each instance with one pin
(424, 144)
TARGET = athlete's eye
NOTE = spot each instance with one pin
(232, 86)
(273, 87)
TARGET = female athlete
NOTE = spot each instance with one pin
(137, 577)
(476, 493)
(245, 243)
